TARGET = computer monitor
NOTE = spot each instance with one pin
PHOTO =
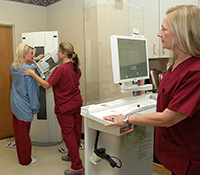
(129, 58)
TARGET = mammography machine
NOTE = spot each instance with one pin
(44, 66)
(45, 129)
(126, 150)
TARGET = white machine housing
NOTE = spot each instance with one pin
(134, 149)
(44, 65)
(45, 129)
(130, 61)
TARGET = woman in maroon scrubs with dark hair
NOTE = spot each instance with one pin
(177, 142)
(68, 101)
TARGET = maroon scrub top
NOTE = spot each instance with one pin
(65, 82)
(179, 145)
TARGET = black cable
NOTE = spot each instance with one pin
(101, 152)
(118, 160)
(96, 141)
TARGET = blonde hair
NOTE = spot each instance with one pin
(20, 51)
(184, 20)
(66, 47)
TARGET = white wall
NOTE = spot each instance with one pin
(24, 17)
(65, 16)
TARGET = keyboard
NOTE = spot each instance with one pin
(144, 110)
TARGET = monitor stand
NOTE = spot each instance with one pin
(130, 88)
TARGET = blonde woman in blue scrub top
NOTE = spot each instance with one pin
(24, 102)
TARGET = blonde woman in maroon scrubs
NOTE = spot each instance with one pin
(24, 102)
(68, 101)
(177, 142)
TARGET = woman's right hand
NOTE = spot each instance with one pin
(117, 120)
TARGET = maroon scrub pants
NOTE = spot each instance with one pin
(22, 140)
(71, 123)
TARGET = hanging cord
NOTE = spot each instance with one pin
(101, 152)
(97, 139)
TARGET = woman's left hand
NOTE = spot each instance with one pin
(28, 72)
(39, 57)
(118, 120)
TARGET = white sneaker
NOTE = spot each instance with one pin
(34, 160)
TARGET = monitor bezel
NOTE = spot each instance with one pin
(115, 58)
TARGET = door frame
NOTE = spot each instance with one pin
(12, 26)
(13, 35)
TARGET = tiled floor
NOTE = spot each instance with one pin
(48, 161)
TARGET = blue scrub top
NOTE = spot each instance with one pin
(24, 94)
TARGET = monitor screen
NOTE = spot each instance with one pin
(39, 50)
(129, 58)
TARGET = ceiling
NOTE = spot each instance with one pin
(37, 2)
